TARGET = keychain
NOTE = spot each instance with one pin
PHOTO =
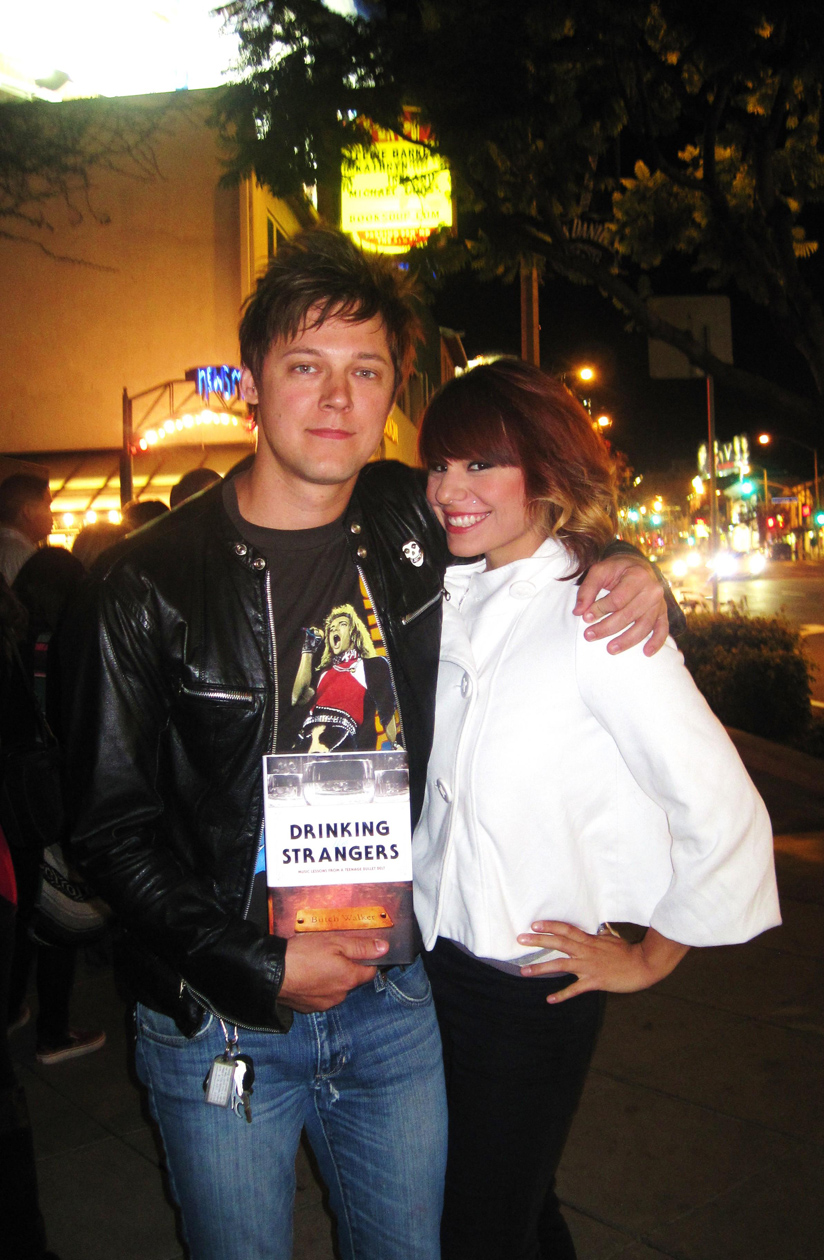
(220, 1079)
(230, 1078)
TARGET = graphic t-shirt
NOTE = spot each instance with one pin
(334, 682)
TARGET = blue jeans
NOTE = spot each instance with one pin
(366, 1081)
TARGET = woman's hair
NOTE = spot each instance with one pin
(513, 414)
(45, 586)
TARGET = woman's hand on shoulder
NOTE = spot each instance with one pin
(601, 961)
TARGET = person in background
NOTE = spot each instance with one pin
(25, 520)
(565, 790)
(21, 1222)
(94, 539)
(45, 586)
(142, 512)
(192, 482)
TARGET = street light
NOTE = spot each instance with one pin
(603, 422)
(586, 374)
(764, 439)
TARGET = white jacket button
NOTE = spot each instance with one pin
(444, 790)
(465, 685)
(522, 590)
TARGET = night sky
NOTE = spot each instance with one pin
(658, 424)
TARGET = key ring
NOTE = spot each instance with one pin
(231, 1042)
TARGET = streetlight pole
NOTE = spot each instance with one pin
(713, 495)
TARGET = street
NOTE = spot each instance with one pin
(794, 590)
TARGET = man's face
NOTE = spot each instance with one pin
(36, 518)
(340, 635)
(323, 399)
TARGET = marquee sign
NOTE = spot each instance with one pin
(395, 194)
(731, 458)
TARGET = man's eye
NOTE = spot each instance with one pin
(368, 373)
(303, 369)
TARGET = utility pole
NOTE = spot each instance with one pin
(530, 324)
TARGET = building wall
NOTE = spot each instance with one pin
(158, 273)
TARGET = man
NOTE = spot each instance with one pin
(186, 655)
(25, 520)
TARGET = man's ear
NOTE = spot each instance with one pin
(248, 388)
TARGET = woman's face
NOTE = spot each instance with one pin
(483, 509)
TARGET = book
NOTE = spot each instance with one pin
(339, 847)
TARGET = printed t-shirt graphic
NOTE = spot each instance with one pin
(344, 676)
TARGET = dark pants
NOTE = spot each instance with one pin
(515, 1068)
(21, 1225)
(55, 964)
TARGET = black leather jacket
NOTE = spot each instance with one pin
(171, 704)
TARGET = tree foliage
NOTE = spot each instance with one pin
(602, 138)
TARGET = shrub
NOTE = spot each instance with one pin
(752, 672)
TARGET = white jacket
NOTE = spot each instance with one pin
(565, 783)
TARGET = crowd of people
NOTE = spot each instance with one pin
(527, 655)
(37, 583)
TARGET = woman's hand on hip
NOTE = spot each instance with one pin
(604, 962)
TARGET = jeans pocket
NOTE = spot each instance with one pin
(409, 985)
(163, 1029)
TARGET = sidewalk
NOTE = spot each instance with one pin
(700, 1135)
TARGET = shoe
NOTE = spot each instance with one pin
(20, 1020)
(76, 1043)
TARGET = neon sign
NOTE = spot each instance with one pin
(396, 193)
(223, 381)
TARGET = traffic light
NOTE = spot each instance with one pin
(805, 509)
(770, 522)
(819, 518)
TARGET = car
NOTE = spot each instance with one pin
(781, 551)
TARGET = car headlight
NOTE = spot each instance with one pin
(724, 565)
(756, 563)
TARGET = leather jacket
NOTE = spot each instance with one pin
(171, 702)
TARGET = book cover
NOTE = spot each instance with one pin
(339, 846)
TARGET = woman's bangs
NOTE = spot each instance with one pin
(465, 428)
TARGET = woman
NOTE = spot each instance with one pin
(567, 788)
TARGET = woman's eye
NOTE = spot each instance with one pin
(437, 468)
(479, 465)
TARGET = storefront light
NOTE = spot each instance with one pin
(90, 518)
(68, 519)
(143, 444)
(188, 422)
(114, 517)
(169, 426)
(151, 437)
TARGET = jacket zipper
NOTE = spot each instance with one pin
(207, 1006)
(215, 693)
(273, 736)
(385, 642)
(442, 594)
